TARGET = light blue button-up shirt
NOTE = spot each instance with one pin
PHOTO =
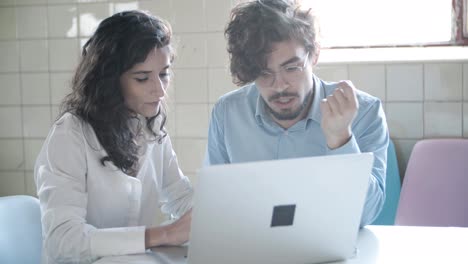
(241, 130)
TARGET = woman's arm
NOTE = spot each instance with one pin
(61, 178)
(176, 200)
(173, 234)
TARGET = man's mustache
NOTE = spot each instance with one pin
(282, 94)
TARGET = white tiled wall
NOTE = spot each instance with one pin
(421, 99)
(411, 89)
(40, 45)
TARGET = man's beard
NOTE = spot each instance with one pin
(287, 114)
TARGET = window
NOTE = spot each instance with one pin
(391, 23)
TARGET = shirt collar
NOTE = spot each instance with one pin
(319, 93)
(260, 109)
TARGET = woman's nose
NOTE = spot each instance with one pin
(158, 88)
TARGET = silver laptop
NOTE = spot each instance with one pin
(304, 210)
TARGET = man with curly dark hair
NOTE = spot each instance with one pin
(284, 110)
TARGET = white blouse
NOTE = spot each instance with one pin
(89, 210)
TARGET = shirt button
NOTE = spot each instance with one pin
(286, 133)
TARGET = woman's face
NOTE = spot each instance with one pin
(144, 85)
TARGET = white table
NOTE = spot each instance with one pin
(376, 245)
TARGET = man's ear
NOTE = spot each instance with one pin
(316, 54)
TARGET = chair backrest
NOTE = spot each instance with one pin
(20, 230)
(392, 189)
(435, 187)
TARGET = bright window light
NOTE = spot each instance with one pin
(364, 23)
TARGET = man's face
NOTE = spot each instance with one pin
(287, 81)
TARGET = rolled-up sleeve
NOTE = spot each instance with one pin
(176, 188)
(60, 174)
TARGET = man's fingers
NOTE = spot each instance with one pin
(334, 105)
(340, 97)
(349, 92)
(325, 108)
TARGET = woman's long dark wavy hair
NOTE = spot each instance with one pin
(120, 42)
(256, 25)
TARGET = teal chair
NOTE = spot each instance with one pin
(20, 230)
(392, 189)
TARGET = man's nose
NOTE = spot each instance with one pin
(279, 82)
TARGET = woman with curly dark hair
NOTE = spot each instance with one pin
(107, 165)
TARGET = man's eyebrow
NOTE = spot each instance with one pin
(291, 60)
